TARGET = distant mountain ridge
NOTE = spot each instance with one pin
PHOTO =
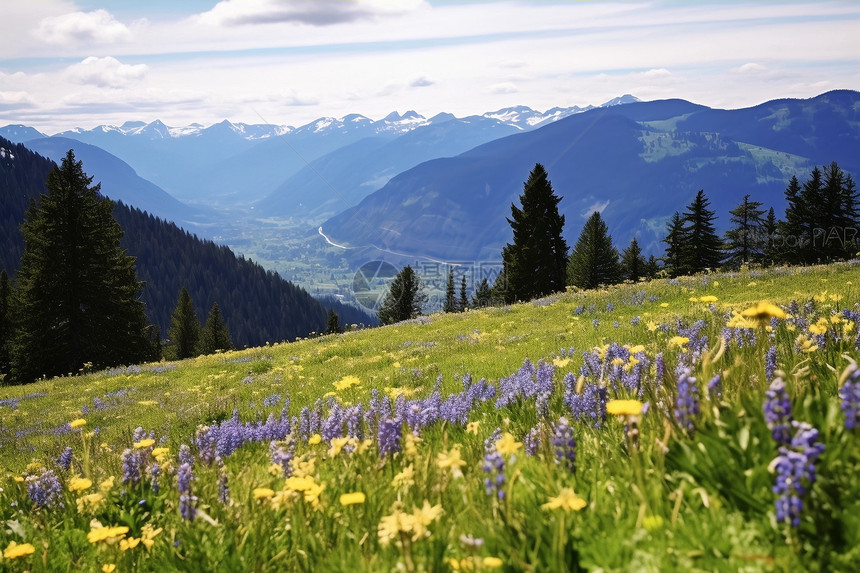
(637, 163)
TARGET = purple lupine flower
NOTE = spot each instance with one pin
(715, 388)
(223, 486)
(660, 369)
(389, 436)
(185, 456)
(65, 459)
(332, 426)
(187, 502)
(138, 434)
(45, 490)
(777, 412)
(271, 400)
(544, 376)
(542, 405)
(282, 456)
(610, 307)
(564, 444)
(155, 472)
(494, 465)
(353, 417)
(850, 395)
(532, 441)
(490, 442)
(305, 424)
(589, 406)
(131, 467)
(795, 472)
(687, 400)
(595, 323)
(770, 363)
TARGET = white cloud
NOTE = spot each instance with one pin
(15, 100)
(596, 206)
(106, 72)
(313, 13)
(97, 27)
(751, 68)
(503, 88)
(422, 82)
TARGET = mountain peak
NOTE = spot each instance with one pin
(621, 100)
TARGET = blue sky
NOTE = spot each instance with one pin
(67, 64)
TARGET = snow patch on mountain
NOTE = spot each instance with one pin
(4, 153)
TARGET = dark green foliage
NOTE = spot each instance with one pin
(215, 335)
(77, 295)
(594, 260)
(184, 332)
(450, 300)
(483, 295)
(770, 228)
(744, 242)
(822, 218)
(676, 241)
(333, 324)
(463, 302)
(703, 249)
(404, 299)
(632, 262)
(5, 325)
(535, 262)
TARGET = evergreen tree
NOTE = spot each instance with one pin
(652, 267)
(77, 295)
(184, 331)
(793, 232)
(594, 260)
(743, 240)
(215, 335)
(5, 326)
(704, 248)
(534, 264)
(769, 238)
(333, 323)
(676, 245)
(632, 262)
(483, 296)
(450, 300)
(404, 299)
(463, 303)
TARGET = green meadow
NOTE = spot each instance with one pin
(670, 425)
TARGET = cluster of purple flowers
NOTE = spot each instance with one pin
(65, 459)
(222, 439)
(795, 472)
(532, 441)
(494, 466)
(389, 436)
(588, 406)
(740, 337)
(527, 382)
(564, 444)
(187, 501)
(687, 399)
(777, 412)
(45, 489)
(282, 456)
(849, 393)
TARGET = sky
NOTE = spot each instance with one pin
(67, 64)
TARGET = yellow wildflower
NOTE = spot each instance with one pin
(356, 497)
(315, 439)
(263, 493)
(14, 550)
(337, 445)
(422, 517)
(160, 453)
(109, 535)
(130, 543)
(819, 327)
(106, 485)
(404, 479)
(739, 321)
(144, 443)
(624, 407)
(410, 448)
(472, 427)
(507, 444)
(78, 423)
(299, 483)
(147, 402)
(450, 459)
(19, 479)
(679, 340)
(492, 562)
(89, 503)
(561, 362)
(109, 567)
(347, 382)
(805, 344)
(664, 305)
(651, 326)
(566, 500)
(637, 349)
(80, 484)
(708, 298)
(763, 312)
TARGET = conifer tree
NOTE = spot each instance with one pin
(743, 240)
(676, 246)
(5, 325)
(404, 299)
(632, 262)
(184, 331)
(77, 297)
(594, 260)
(770, 230)
(450, 300)
(215, 336)
(463, 303)
(704, 248)
(483, 295)
(333, 323)
(534, 263)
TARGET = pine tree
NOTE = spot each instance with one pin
(463, 303)
(743, 240)
(676, 244)
(704, 248)
(483, 296)
(450, 300)
(184, 331)
(77, 298)
(534, 264)
(333, 323)
(215, 336)
(770, 230)
(404, 299)
(5, 326)
(594, 260)
(632, 262)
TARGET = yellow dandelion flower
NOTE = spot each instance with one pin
(315, 439)
(716, 283)
(818, 328)
(651, 326)
(130, 543)
(296, 483)
(492, 562)
(347, 382)
(263, 493)
(80, 484)
(109, 535)
(739, 321)
(15, 550)
(507, 444)
(624, 407)
(637, 349)
(89, 503)
(472, 427)
(78, 423)
(109, 567)
(19, 479)
(708, 298)
(145, 443)
(160, 453)
(664, 305)
(679, 340)
(566, 500)
(561, 362)
(354, 498)
(337, 445)
(763, 312)
(107, 484)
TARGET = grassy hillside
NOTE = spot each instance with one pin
(498, 456)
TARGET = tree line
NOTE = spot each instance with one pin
(820, 224)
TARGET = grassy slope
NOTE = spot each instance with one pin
(681, 507)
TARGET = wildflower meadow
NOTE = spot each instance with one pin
(705, 423)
